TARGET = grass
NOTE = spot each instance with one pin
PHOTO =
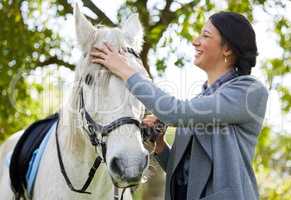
(170, 135)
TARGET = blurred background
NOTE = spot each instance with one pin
(38, 54)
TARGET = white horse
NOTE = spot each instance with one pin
(106, 99)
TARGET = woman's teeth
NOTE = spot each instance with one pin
(198, 53)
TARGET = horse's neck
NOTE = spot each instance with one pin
(72, 139)
(78, 156)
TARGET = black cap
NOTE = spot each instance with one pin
(240, 35)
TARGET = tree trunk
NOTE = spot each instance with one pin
(144, 57)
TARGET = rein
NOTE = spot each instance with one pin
(91, 174)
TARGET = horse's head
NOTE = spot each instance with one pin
(107, 99)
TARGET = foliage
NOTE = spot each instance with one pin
(272, 165)
(23, 47)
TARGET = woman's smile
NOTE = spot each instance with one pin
(198, 53)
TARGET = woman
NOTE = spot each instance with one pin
(211, 158)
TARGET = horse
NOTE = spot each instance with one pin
(98, 98)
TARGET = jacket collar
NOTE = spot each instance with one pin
(222, 79)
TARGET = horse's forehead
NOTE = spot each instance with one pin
(113, 35)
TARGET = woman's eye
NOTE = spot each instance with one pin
(89, 79)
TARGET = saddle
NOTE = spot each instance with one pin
(23, 151)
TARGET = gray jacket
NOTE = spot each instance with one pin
(224, 126)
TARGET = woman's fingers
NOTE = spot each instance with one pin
(98, 61)
(148, 123)
(109, 47)
(150, 120)
(102, 52)
(98, 54)
(105, 50)
(147, 120)
(102, 49)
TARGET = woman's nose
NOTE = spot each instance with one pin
(195, 41)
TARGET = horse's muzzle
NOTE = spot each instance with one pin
(128, 170)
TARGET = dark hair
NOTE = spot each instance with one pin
(239, 34)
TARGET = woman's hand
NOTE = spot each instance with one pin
(113, 60)
(152, 121)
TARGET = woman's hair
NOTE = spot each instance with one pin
(240, 36)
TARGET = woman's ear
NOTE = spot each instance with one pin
(227, 51)
(229, 54)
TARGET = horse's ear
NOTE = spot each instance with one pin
(133, 31)
(84, 29)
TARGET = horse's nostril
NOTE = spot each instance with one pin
(116, 165)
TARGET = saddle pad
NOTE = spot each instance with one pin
(22, 154)
(35, 161)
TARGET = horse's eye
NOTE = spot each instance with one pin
(89, 79)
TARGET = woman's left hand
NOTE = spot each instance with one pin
(114, 61)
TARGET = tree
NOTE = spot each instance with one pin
(23, 48)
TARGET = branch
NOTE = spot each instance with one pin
(67, 8)
(167, 16)
(100, 14)
(181, 4)
(55, 60)
(168, 5)
(191, 4)
(141, 8)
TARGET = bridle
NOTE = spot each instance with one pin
(97, 134)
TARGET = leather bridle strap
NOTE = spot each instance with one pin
(92, 128)
(105, 130)
(116, 193)
(91, 174)
(131, 51)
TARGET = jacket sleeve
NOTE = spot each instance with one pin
(240, 100)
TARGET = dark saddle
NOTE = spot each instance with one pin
(23, 151)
